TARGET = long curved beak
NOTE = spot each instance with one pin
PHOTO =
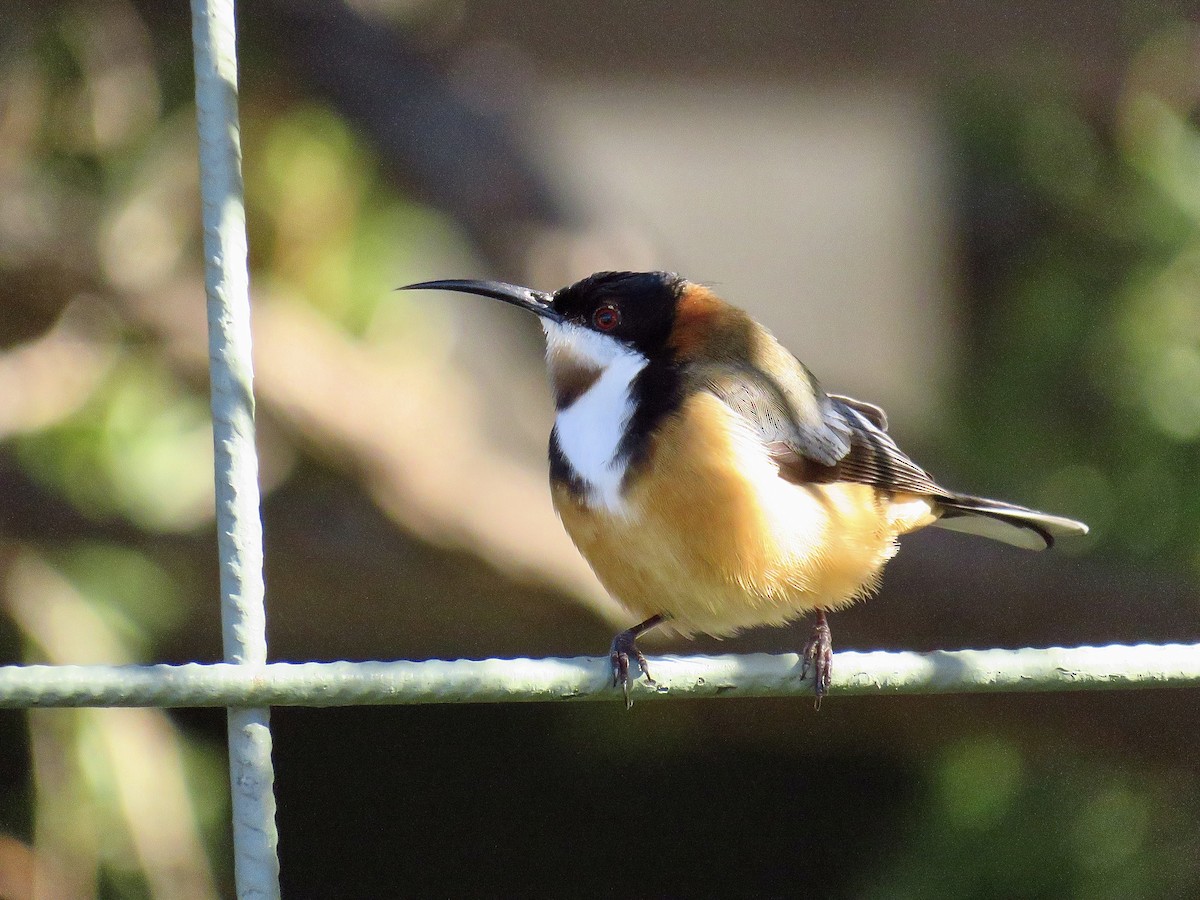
(537, 302)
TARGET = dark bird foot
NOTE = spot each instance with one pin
(818, 654)
(623, 646)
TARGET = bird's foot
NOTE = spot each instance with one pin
(818, 654)
(623, 647)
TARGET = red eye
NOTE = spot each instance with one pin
(606, 318)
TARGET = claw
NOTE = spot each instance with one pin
(818, 653)
(623, 646)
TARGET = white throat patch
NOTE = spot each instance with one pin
(590, 430)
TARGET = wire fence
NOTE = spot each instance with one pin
(239, 524)
(589, 678)
(248, 685)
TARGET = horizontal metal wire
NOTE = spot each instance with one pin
(588, 678)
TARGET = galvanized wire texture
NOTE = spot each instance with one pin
(239, 526)
(588, 678)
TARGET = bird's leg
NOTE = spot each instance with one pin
(818, 653)
(623, 646)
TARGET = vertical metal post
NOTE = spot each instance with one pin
(239, 527)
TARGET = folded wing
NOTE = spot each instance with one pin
(818, 438)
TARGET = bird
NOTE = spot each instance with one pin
(709, 480)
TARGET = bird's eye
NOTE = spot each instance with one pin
(606, 318)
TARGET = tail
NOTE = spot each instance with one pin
(1005, 522)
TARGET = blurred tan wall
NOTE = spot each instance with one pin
(818, 208)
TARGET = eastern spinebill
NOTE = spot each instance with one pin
(709, 481)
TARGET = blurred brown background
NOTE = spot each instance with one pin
(983, 218)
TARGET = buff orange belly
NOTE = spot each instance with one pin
(713, 538)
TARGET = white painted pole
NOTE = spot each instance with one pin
(239, 526)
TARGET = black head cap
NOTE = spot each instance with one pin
(635, 307)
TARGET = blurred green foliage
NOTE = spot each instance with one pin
(998, 821)
(140, 448)
(135, 596)
(331, 232)
(1087, 354)
(99, 174)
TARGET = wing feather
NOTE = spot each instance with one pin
(875, 459)
(791, 416)
(818, 438)
(815, 437)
